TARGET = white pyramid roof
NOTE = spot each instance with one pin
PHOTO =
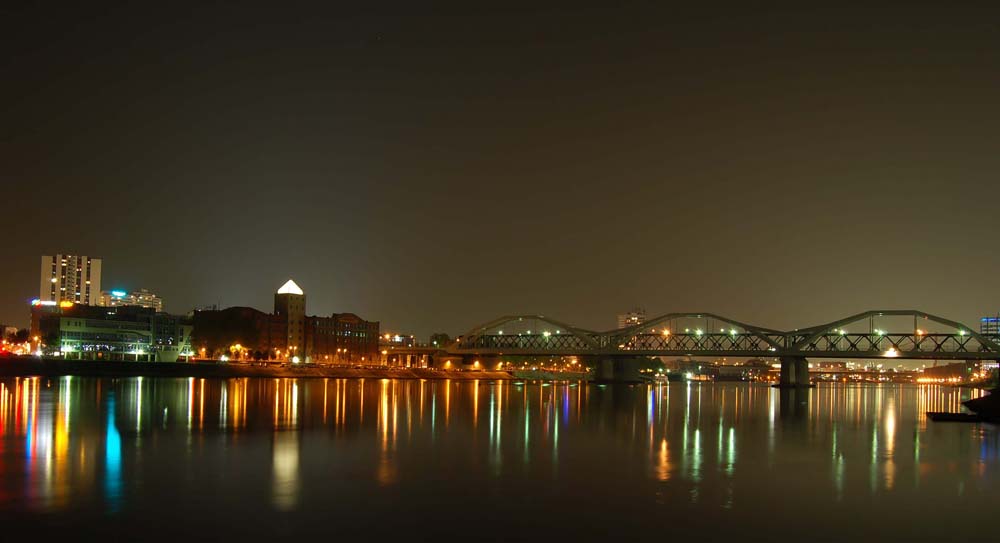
(290, 288)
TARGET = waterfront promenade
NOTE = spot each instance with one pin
(48, 367)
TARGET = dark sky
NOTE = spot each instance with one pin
(434, 168)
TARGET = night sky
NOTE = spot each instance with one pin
(435, 168)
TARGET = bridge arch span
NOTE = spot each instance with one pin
(963, 338)
(774, 339)
(537, 335)
(565, 335)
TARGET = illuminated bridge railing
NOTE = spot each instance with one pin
(739, 342)
(887, 344)
(555, 343)
(659, 337)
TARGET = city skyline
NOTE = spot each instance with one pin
(434, 170)
(972, 323)
(500, 272)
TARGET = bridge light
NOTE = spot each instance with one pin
(843, 332)
(891, 353)
(961, 332)
(698, 332)
(546, 333)
(666, 332)
(920, 332)
(732, 332)
(500, 332)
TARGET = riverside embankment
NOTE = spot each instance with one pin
(29, 367)
(49, 367)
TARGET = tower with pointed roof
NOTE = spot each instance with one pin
(290, 305)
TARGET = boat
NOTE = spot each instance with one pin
(987, 406)
(984, 409)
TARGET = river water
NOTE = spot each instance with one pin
(264, 459)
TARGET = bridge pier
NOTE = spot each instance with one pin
(616, 369)
(794, 372)
(793, 404)
(605, 370)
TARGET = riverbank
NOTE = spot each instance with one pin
(988, 386)
(540, 375)
(35, 367)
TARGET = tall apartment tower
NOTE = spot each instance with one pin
(70, 278)
(290, 303)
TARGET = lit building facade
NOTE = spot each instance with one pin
(989, 326)
(70, 278)
(397, 340)
(81, 332)
(139, 298)
(287, 334)
(632, 318)
(290, 309)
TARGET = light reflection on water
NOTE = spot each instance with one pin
(333, 450)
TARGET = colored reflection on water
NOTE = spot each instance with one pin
(286, 455)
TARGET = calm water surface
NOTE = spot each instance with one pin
(263, 459)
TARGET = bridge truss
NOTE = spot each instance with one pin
(856, 336)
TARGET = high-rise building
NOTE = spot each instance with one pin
(140, 298)
(632, 318)
(70, 278)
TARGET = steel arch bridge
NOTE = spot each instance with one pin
(661, 336)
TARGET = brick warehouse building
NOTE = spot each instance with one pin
(286, 334)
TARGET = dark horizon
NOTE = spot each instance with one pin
(783, 166)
